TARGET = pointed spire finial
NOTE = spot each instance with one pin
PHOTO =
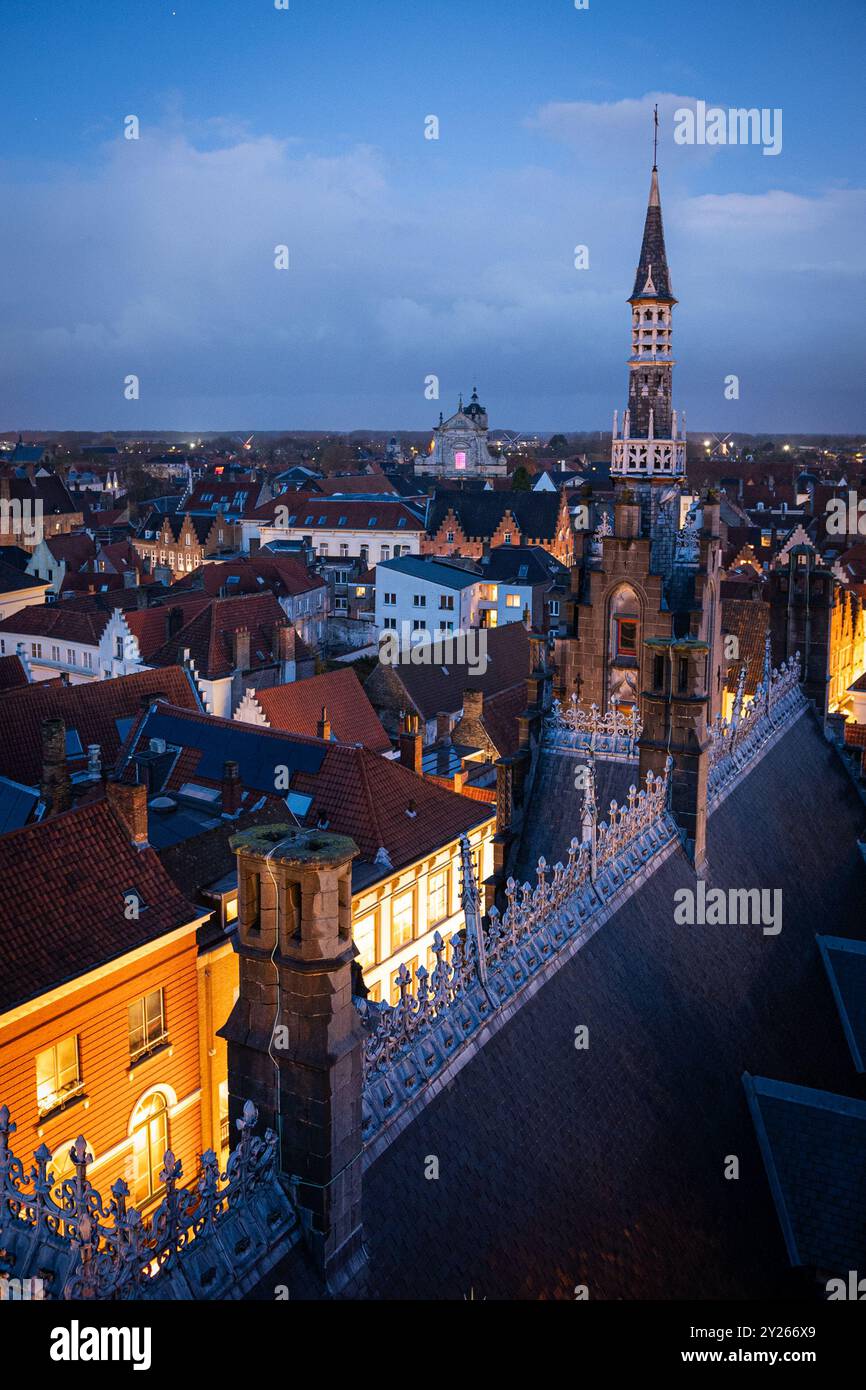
(655, 136)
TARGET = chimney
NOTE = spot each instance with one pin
(323, 726)
(240, 648)
(232, 788)
(55, 787)
(411, 746)
(128, 801)
(443, 727)
(283, 642)
(473, 704)
(174, 621)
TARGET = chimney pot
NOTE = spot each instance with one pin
(323, 727)
(232, 788)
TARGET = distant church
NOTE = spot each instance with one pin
(460, 446)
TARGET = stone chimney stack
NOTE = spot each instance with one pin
(675, 723)
(129, 804)
(323, 725)
(295, 1042)
(55, 787)
(411, 743)
(232, 788)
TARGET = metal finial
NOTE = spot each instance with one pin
(655, 135)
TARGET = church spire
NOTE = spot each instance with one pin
(652, 279)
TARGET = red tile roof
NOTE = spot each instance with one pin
(150, 626)
(12, 673)
(281, 574)
(207, 635)
(56, 620)
(357, 792)
(74, 549)
(360, 514)
(296, 709)
(748, 620)
(92, 709)
(62, 909)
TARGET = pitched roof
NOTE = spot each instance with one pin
(207, 635)
(432, 689)
(152, 626)
(431, 569)
(13, 580)
(98, 711)
(845, 963)
(357, 792)
(308, 511)
(479, 513)
(749, 621)
(72, 549)
(281, 574)
(62, 910)
(296, 709)
(12, 673)
(57, 620)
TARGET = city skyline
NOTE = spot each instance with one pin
(412, 257)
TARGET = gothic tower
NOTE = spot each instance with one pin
(649, 450)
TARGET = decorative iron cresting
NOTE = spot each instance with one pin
(199, 1242)
(611, 733)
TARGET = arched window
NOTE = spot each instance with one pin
(624, 647)
(149, 1129)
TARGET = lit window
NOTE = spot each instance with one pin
(402, 920)
(149, 1143)
(146, 1024)
(460, 458)
(58, 1075)
(437, 898)
(512, 600)
(232, 909)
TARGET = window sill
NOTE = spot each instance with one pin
(62, 1108)
(160, 1049)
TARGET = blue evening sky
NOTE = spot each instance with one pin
(410, 257)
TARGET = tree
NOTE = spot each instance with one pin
(558, 445)
(520, 480)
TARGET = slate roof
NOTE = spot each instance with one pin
(13, 579)
(479, 513)
(296, 708)
(433, 570)
(845, 963)
(97, 710)
(62, 906)
(813, 1144)
(605, 1166)
(653, 263)
(280, 574)
(523, 564)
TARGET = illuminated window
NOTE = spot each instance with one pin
(402, 920)
(437, 897)
(58, 1075)
(149, 1143)
(364, 937)
(460, 458)
(232, 909)
(512, 600)
(146, 1024)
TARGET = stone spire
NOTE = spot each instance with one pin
(652, 277)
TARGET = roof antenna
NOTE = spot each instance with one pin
(655, 136)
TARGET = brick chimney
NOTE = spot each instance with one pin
(232, 788)
(411, 743)
(128, 801)
(473, 704)
(323, 725)
(443, 727)
(283, 642)
(55, 787)
(240, 648)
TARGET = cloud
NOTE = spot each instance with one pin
(158, 260)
